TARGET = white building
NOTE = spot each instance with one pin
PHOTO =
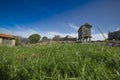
(6, 39)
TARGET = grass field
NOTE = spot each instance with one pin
(60, 62)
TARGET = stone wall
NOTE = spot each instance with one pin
(13, 43)
(0, 40)
(8, 42)
(114, 35)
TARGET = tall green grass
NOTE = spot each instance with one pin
(60, 62)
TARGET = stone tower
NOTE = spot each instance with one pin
(84, 33)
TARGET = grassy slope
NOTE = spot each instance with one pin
(60, 62)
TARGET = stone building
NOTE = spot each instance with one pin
(6, 39)
(84, 33)
(114, 35)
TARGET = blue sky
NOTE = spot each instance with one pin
(58, 17)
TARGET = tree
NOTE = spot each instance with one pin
(34, 38)
(17, 41)
(44, 38)
(56, 38)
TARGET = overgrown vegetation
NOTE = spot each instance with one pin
(60, 62)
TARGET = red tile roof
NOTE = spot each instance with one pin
(6, 36)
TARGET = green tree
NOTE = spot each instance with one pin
(56, 38)
(44, 38)
(17, 41)
(34, 38)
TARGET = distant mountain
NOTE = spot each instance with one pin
(22, 39)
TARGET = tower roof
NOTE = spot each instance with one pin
(85, 25)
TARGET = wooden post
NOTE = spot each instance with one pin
(89, 39)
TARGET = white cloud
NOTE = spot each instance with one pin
(73, 26)
(3, 30)
(51, 34)
(94, 36)
(99, 36)
(118, 29)
(19, 32)
(27, 32)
